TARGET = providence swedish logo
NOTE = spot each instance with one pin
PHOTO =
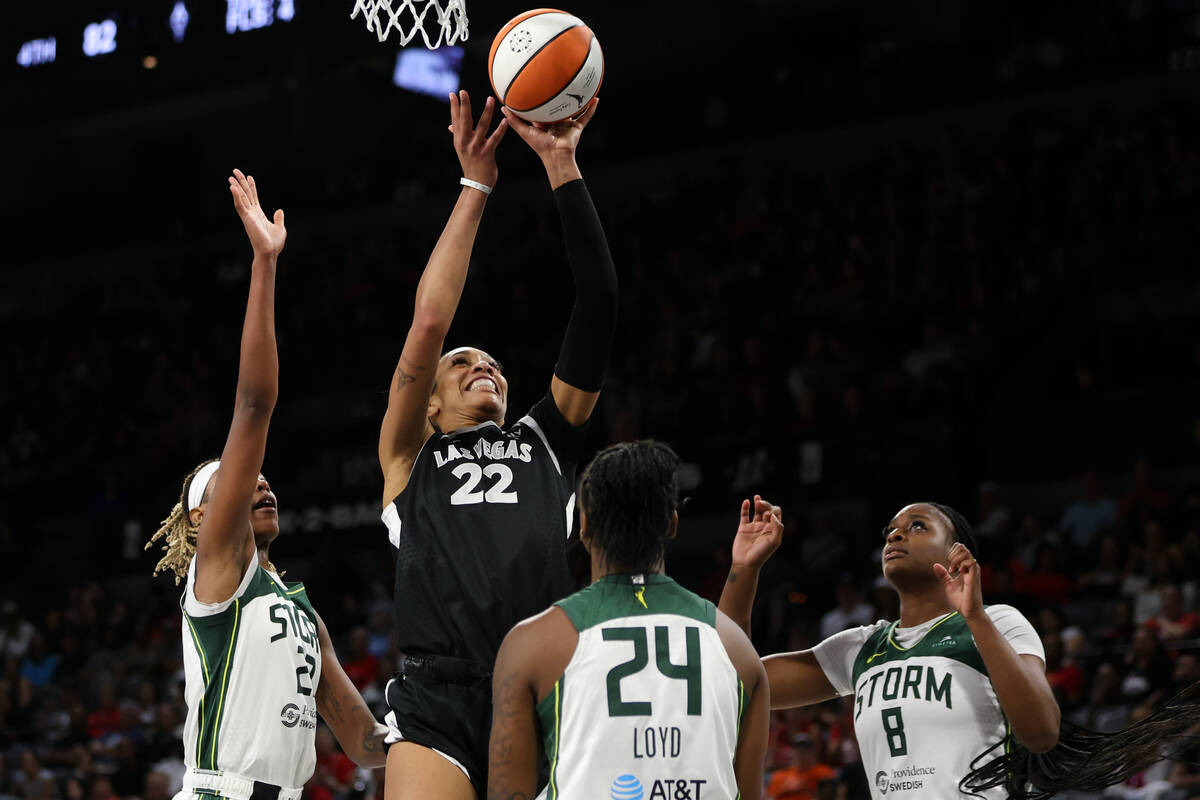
(626, 787)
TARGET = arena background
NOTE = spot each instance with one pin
(869, 253)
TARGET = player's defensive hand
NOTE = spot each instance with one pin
(558, 140)
(960, 577)
(266, 237)
(476, 150)
(759, 534)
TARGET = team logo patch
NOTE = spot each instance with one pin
(290, 715)
(881, 781)
(626, 787)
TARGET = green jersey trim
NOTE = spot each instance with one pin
(619, 596)
(956, 643)
(549, 712)
(207, 681)
(298, 594)
(892, 629)
(741, 715)
(216, 648)
(237, 611)
(215, 637)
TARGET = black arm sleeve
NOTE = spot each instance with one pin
(587, 343)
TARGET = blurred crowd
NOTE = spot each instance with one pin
(91, 690)
(953, 319)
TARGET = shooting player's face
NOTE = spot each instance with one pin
(916, 538)
(264, 513)
(470, 384)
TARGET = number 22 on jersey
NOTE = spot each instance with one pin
(471, 474)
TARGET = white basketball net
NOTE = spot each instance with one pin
(408, 18)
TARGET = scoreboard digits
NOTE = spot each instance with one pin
(37, 51)
(100, 37)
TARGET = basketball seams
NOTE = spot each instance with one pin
(512, 23)
(501, 61)
(543, 108)
(582, 66)
(533, 56)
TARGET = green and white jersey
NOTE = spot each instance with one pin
(252, 665)
(649, 706)
(924, 706)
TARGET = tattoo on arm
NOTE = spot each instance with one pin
(501, 756)
(334, 711)
(374, 742)
(732, 578)
(329, 706)
(403, 378)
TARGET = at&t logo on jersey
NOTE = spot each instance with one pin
(628, 787)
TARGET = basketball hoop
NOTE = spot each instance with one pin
(408, 17)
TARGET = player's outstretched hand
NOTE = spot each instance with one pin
(266, 237)
(759, 534)
(558, 139)
(476, 150)
(960, 577)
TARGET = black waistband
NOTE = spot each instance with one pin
(446, 669)
(264, 791)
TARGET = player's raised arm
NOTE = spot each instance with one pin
(405, 424)
(759, 533)
(223, 542)
(586, 345)
(1018, 679)
(796, 679)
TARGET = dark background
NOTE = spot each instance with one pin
(869, 253)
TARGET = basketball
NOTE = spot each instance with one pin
(545, 65)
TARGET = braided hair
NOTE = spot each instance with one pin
(1083, 760)
(179, 533)
(630, 494)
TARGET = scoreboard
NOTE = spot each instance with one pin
(84, 58)
(75, 61)
(148, 26)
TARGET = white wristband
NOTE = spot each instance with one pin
(483, 187)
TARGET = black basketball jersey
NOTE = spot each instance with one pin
(480, 533)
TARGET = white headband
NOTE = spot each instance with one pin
(200, 484)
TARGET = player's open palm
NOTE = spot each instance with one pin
(557, 139)
(961, 579)
(759, 533)
(266, 236)
(476, 150)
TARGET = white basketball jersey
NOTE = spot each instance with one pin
(252, 665)
(649, 707)
(924, 706)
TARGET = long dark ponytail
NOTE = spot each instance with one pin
(1083, 760)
